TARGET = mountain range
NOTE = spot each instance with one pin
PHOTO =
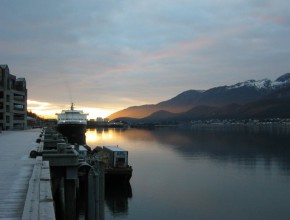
(249, 99)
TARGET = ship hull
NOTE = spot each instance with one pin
(75, 133)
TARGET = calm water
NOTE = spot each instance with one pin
(201, 173)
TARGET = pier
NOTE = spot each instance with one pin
(16, 171)
(43, 175)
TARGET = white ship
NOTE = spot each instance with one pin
(72, 124)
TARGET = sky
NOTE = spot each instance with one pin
(107, 55)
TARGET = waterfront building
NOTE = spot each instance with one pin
(13, 101)
(106, 120)
(99, 120)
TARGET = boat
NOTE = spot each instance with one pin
(117, 169)
(72, 124)
(115, 161)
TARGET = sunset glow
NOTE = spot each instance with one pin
(48, 110)
(95, 136)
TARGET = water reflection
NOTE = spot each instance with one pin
(102, 136)
(243, 146)
(201, 173)
(116, 198)
(240, 145)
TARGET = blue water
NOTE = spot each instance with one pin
(201, 173)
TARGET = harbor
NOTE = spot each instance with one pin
(145, 110)
(215, 165)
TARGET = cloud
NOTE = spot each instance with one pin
(98, 52)
(49, 110)
(42, 108)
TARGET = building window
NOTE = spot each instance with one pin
(18, 117)
(19, 97)
(18, 107)
(10, 84)
(20, 84)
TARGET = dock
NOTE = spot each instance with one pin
(45, 177)
(16, 170)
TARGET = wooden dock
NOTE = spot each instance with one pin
(15, 170)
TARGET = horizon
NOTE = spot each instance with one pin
(94, 113)
(108, 56)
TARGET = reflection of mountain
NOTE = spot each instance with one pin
(116, 198)
(242, 145)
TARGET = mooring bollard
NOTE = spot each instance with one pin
(33, 154)
(38, 140)
(34, 151)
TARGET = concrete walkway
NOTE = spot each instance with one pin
(15, 170)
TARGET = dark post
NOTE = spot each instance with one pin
(96, 189)
(70, 193)
(93, 195)
(70, 199)
(101, 190)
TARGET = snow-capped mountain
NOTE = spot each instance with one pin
(264, 83)
(237, 94)
(260, 84)
(284, 78)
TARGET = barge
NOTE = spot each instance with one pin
(117, 169)
(115, 160)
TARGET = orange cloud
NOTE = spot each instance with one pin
(274, 19)
(48, 110)
(181, 49)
